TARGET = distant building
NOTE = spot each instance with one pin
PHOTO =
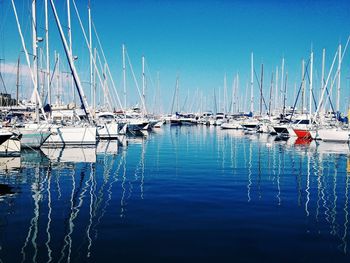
(6, 100)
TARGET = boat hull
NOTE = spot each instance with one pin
(71, 136)
(33, 138)
(302, 134)
(108, 131)
(334, 135)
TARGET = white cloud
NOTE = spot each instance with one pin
(11, 69)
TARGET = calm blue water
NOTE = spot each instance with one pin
(189, 194)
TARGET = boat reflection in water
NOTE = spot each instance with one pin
(71, 154)
(10, 163)
(162, 193)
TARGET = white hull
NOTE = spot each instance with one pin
(33, 138)
(231, 125)
(108, 130)
(334, 135)
(71, 136)
(159, 124)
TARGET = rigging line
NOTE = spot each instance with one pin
(104, 75)
(326, 83)
(301, 84)
(109, 72)
(90, 52)
(27, 59)
(149, 73)
(313, 95)
(2, 81)
(53, 72)
(172, 104)
(256, 76)
(137, 85)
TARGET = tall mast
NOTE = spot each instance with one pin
(42, 75)
(124, 76)
(90, 44)
(252, 83)
(311, 83)
(158, 94)
(105, 83)
(323, 69)
(143, 82)
(47, 53)
(303, 97)
(70, 44)
(32, 73)
(58, 78)
(232, 107)
(35, 57)
(270, 101)
(17, 82)
(94, 82)
(284, 93)
(236, 92)
(225, 93)
(177, 94)
(282, 78)
(276, 90)
(71, 64)
(261, 87)
(338, 82)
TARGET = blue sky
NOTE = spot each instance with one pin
(201, 41)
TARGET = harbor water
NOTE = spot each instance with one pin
(179, 194)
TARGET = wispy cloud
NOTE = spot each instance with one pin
(11, 69)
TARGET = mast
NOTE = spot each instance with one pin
(57, 56)
(284, 94)
(28, 59)
(270, 101)
(177, 94)
(261, 87)
(236, 92)
(225, 93)
(233, 95)
(47, 53)
(338, 82)
(70, 44)
(252, 84)
(42, 75)
(276, 90)
(90, 45)
(35, 57)
(323, 69)
(215, 105)
(282, 78)
(124, 76)
(158, 93)
(105, 83)
(143, 82)
(17, 81)
(71, 64)
(311, 83)
(94, 82)
(303, 97)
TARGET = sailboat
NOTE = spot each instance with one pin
(76, 134)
